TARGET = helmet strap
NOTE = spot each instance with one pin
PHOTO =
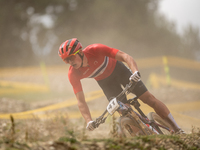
(81, 58)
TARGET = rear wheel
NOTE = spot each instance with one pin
(153, 116)
(129, 127)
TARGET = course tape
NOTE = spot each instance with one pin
(8, 87)
(41, 111)
(157, 80)
(183, 63)
(143, 63)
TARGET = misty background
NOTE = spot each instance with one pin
(32, 75)
(32, 31)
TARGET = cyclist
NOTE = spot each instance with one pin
(104, 64)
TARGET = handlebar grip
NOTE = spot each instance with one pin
(132, 85)
(94, 124)
(135, 77)
(139, 74)
(132, 82)
(98, 121)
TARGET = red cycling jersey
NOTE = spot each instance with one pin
(101, 60)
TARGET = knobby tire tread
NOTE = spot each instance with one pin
(126, 122)
(158, 119)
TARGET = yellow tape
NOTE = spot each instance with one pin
(44, 73)
(10, 87)
(40, 112)
(157, 80)
(183, 63)
(21, 85)
(21, 91)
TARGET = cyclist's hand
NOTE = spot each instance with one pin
(135, 76)
(90, 126)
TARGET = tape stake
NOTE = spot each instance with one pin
(44, 73)
(166, 69)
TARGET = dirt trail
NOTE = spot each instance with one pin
(183, 103)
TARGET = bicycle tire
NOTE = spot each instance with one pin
(155, 117)
(128, 127)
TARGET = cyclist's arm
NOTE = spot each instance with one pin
(124, 57)
(83, 107)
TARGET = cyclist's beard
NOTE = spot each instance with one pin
(76, 66)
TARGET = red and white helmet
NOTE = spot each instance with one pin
(69, 47)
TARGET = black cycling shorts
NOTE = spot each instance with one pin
(112, 85)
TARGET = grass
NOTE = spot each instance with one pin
(61, 133)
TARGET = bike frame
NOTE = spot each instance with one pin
(123, 110)
(134, 102)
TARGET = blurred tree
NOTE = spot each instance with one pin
(134, 26)
(191, 40)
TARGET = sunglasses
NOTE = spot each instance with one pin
(71, 57)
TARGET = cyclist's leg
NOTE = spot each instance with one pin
(160, 108)
(141, 91)
(121, 75)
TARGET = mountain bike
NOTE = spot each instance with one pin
(130, 122)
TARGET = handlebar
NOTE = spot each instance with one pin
(129, 87)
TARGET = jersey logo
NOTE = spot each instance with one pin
(95, 62)
(100, 69)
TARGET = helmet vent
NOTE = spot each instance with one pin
(68, 44)
(74, 46)
(62, 50)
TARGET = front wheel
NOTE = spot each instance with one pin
(128, 127)
(155, 117)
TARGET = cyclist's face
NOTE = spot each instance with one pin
(74, 60)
